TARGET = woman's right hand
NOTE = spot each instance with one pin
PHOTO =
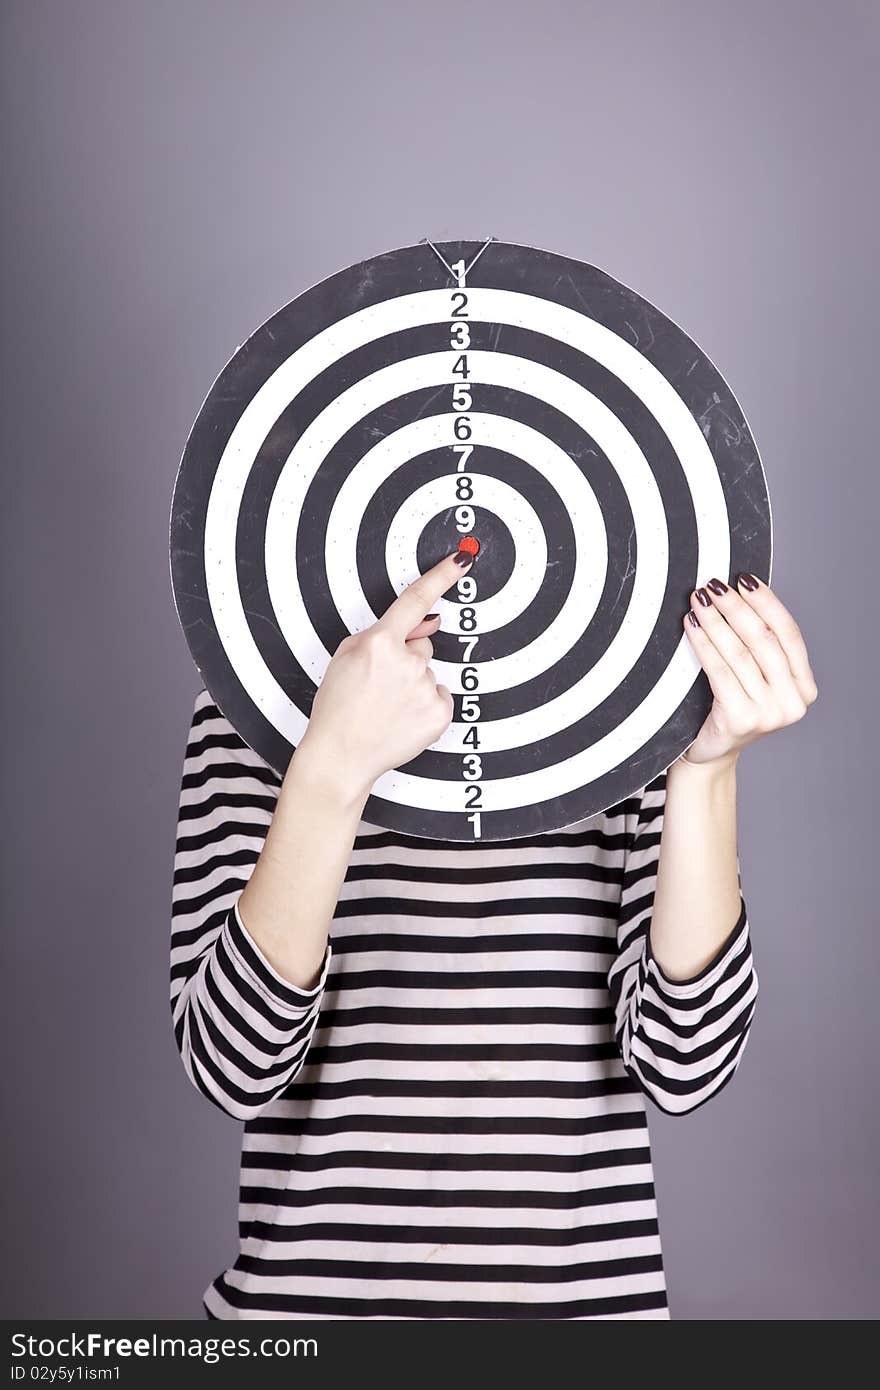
(379, 704)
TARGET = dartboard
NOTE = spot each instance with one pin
(522, 403)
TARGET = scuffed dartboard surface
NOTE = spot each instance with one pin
(485, 390)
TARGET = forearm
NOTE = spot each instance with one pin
(697, 895)
(288, 903)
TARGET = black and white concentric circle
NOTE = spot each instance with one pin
(613, 471)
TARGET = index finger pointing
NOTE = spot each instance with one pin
(417, 599)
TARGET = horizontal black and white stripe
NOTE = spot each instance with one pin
(452, 1123)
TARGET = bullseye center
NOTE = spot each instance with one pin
(470, 544)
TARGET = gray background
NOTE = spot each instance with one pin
(174, 173)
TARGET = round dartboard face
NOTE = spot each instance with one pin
(484, 391)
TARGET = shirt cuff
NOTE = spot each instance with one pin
(280, 993)
(711, 973)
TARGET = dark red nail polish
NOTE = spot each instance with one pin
(704, 597)
(748, 581)
(462, 558)
(717, 586)
(429, 616)
(695, 622)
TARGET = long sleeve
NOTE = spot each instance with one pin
(241, 1029)
(682, 1040)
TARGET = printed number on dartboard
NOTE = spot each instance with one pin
(465, 518)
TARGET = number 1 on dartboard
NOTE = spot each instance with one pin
(465, 518)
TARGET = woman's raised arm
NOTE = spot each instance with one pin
(260, 860)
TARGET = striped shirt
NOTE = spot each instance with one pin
(452, 1122)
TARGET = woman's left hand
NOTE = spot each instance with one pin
(756, 660)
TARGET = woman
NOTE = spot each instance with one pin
(444, 1101)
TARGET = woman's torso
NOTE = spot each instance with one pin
(463, 1139)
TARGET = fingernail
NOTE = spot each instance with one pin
(704, 598)
(717, 586)
(462, 558)
(748, 581)
(429, 616)
(695, 622)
